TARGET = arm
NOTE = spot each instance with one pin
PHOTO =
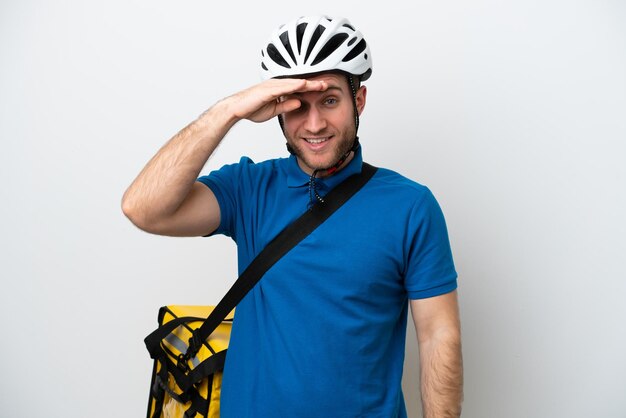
(165, 198)
(438, 331)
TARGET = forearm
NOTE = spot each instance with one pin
(441, 368)
(161, 190)
(164, 183)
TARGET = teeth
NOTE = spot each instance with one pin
(315, 140)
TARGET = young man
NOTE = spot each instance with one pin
(323, 333)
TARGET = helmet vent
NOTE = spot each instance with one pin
(345, 25)
(276, 57)
(264, 67)
(314, 38)
(284, 38)
(360, 47)
(299, 34)
(330, 47)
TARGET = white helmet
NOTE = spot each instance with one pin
(316, 44)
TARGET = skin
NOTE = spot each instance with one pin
(166, 199)
(438, 330)
(326, 116)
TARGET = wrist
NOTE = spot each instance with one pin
(219, 117)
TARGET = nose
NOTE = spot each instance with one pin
(315, 121)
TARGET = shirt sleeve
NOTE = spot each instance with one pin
(225, 185)
(430, 268)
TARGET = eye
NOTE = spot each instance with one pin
(330, 101)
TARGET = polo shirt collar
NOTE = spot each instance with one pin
(298, 178)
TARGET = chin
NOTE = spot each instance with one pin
(319, 163)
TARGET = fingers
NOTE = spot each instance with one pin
(269, 98)
(287, 106)
(289, 86)
(275, 88)
(300, 85)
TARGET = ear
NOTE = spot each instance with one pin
(361, 98)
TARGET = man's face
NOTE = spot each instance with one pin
(322, 130)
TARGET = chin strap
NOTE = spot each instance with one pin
(356, 111)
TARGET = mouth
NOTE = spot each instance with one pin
(317, 140)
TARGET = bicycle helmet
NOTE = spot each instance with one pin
(315, 44)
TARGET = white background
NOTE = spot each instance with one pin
(513, 113)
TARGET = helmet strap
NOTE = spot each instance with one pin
(356, 110)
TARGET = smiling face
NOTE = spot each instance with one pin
(322, 130)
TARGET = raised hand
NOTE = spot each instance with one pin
(262, 102)
(164, 198)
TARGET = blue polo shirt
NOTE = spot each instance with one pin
(323, 332)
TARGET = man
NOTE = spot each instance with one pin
(323, 333)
